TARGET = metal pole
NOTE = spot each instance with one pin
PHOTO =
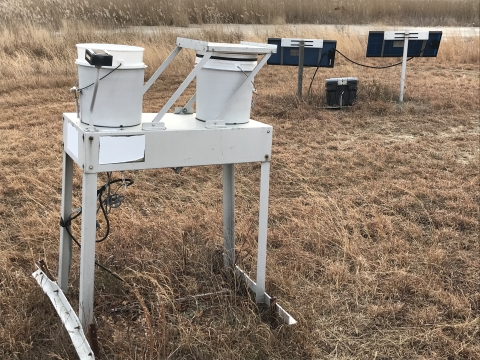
(65, 253)
(404, 66)
(301, 49)
(228, 181)
(87, 256)
(262, 232)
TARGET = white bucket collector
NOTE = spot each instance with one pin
(118, 101)
(218, 81)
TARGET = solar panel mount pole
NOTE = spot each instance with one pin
(301, 53)
(404, 65)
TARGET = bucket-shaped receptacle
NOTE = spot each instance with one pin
(118, 101)
(218, 81)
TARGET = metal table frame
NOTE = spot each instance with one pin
(161, 140)
(226, 146)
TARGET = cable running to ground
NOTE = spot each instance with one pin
(371, 66)
(112, 200)
(354, 62)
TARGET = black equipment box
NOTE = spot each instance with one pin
(341, 91)
(98, 57)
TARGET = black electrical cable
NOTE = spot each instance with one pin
(315, 73)
(371, 66)
(80, 246)
(111, 201)
(108, 271)
(103, 77)
(356, 63)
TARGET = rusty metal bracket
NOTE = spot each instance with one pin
(43, 266)
(93, 339)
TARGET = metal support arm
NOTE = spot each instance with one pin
(248, 79)
(161, 69)
(182, 88)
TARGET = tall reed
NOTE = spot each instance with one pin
(185, 12)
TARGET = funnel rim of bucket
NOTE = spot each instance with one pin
(231, 64)
(123, 67)
(111, 47)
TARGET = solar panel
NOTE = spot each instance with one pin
(390, 43)
(317, 52)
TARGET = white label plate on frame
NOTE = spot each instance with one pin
(72, 139)
(121, 149)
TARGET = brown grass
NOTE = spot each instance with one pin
(96, 13)
(373, 220)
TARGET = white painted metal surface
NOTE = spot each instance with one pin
(242, 48)
(262, 232)
(228, 183)
(87, 252)
(404, 66)
(400, 35)
(293, 42)
(270, 301)
(161, 69)
(65, 259)
(184, 142)
(67, 315)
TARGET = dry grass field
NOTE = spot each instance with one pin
(373, 242)
(119, 13)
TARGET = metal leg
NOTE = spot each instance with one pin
(65, 251)
(87, 259)
(262, 232)
(229, 215)
(404, 67)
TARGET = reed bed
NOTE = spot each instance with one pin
(123, 13)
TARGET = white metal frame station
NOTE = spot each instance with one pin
(161, 140)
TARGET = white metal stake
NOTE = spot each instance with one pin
(87, 257)
(65, 255)
(229, 215)
(404, 65)
(262, 232)
(67, 315)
